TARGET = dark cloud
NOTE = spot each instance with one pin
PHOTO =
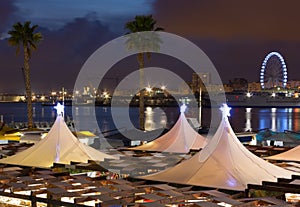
(10, 69)
(236, 35)
(268, 19)
(59, 57)
(7, 14)
(243, 58)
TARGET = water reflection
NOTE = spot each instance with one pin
(33, 112)
(43, 112)
(275, 119)
(248, 120)
(295, 118)
(149, 122)
(242, 119)
(290, 116)
(154, 119)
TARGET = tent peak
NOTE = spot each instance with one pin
(60, 109)
(183, 108)
(225, 110)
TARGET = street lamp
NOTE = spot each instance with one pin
(148, 89)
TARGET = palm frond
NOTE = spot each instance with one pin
(24, 34)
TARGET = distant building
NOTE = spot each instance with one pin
(183, 88)
(227, 88)
(254, 86)
(200, 80)
(239, 84)
(215, 88)
(293, 84)
(11, 98)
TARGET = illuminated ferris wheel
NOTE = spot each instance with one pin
(273, 71)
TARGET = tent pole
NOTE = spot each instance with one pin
(200, 105)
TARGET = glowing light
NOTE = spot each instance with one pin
(231, 182)
(163, 87)
(148, 89)
(183, 108)
(273, 94)
(105, 94)
(149, 110)
(292, 197)
(225, 110)
(248, 94)
(59, 109)
(283, 66)
(22, 98)
(224, 204)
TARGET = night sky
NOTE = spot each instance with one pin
(236, 35)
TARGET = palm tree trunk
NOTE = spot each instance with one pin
(140, 58)
(28, 87)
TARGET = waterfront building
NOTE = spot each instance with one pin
(293, 84)
(254, 87)
(11, 98)
(199, 80)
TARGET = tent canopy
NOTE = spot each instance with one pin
(290, 155)
(60, 146)
(180, 139)
(223, 163)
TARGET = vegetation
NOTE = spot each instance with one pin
(24, 35)
(141, 43)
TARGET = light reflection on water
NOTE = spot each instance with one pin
(242, 119)
(155, 119)
(276, 119)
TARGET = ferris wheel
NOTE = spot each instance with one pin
(273, 71)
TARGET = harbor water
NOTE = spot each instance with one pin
(241, 119)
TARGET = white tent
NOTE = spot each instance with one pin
(60, 146)
(180, 139)
(223, 163)
(290, 155)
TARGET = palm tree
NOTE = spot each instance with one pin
(142, 42)
(24, 35)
